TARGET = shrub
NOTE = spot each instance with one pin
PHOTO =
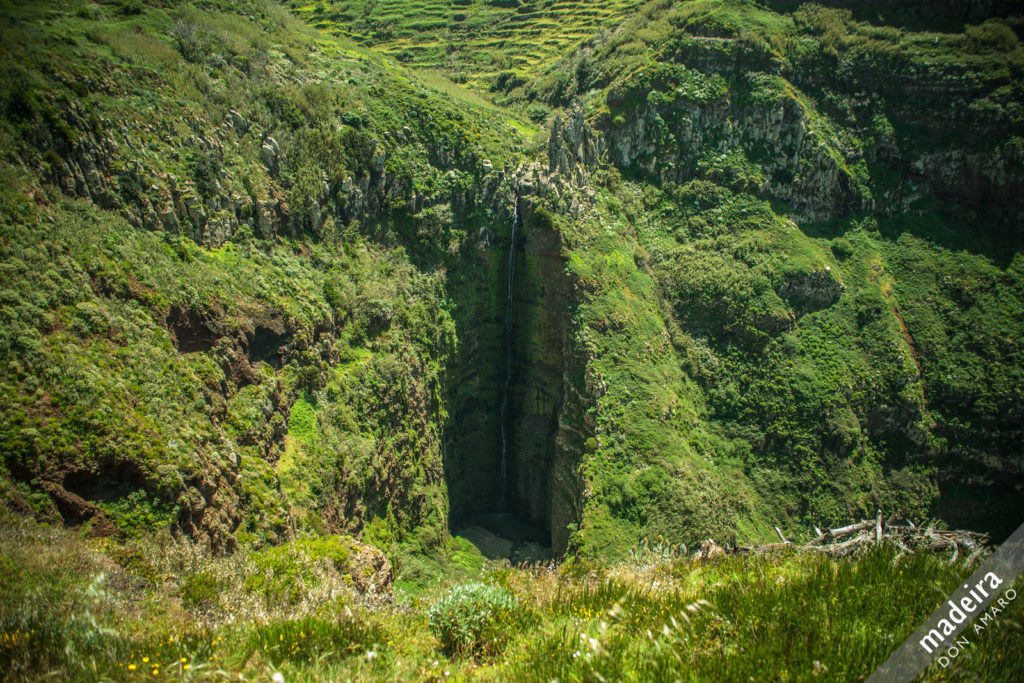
(200, 589)
(286, 574)
(842, 248)
(538, 113)
(195, 42)
(474, 618)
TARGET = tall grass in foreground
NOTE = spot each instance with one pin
(78, 609)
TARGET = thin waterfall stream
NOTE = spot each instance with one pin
(505, 427)
(502, 533)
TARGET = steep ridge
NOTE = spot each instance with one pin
(739, 105)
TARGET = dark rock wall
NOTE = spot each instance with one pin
(541, 303)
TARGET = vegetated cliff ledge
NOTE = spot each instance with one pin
(316, 388)
(880, 145)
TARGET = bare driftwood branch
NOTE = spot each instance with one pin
(863, 524)
(907, 538)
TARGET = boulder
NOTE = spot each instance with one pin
(370, 570)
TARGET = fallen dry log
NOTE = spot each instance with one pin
(859, 536)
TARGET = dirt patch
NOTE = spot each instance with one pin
(266, 344)
(193, 330)
(77, 511)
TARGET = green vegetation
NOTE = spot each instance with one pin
(476, 619)
(649, 618)
(495, 44)
(253, 353)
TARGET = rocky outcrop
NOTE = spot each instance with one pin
(812, 291)
(210, 506)
(573, 147)
(686, 138)
(370, 570)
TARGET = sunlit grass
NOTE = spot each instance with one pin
(69, 610)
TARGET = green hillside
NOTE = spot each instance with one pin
(406, 340)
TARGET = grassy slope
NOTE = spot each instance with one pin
(163, 610)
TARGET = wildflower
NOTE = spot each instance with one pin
(183, 660)
(145, 660)
(131, 667)
(371, 655)
(278, 677)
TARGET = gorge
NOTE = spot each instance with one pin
(307, 307)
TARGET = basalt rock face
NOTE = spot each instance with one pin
(682, 140)
(828, 133)
(105, 162)
(541, 322)
(472, 439)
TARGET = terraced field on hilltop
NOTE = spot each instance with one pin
(476, 41)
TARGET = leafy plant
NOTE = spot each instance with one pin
(476, 619)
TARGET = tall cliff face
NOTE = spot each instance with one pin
(870, 156)
(541, 350)
(269, 276)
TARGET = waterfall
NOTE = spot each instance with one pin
(505, 427)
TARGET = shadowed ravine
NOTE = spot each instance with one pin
(501, 532)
